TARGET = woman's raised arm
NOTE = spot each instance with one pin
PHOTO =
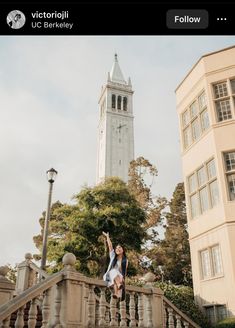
(110, 245)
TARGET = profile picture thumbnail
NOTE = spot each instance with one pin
(16, 19)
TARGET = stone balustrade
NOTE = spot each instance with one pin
(68, 299)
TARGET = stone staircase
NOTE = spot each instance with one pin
(68, 299)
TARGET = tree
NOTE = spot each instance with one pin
(141, 171)
(77, 228)
(173, 252)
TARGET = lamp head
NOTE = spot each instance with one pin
(51, 175)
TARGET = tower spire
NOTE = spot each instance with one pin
(116, 73)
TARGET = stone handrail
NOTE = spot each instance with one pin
(175, 318)
(39, 271)
(31, 294)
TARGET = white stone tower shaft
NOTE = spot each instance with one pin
(115, 130)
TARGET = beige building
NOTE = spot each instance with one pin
(206, 111)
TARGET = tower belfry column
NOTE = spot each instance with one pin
(115, 129)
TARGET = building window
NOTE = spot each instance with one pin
(221, 90)
(203, 189)
(113, 101)
(187, 137)
(229, 159)
(223, 110)
(202, 100)
(223, 93)
(211, 263)
(195, 129)
(119, 102)
(195, 120)
(205, 120)
(216, 312)
(124, 103)
(233, 85)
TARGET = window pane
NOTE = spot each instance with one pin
(220, 90)
(211, 169)
(221, 312)
(193, 110)
(216, 260)
(205, 123)
(187, 137)
(185, 118)
(195, 129)
(201, 173)
(119, 102)
(194, 205)
(230, 161)
(231, 186)
(205, 261)
(113, 101)
(192, 183)
(223, 110)
(214, 193)
(204, 199)
(210, 314)
(233, 85)
(202, 100)
(125, 103)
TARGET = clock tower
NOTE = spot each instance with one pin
(115, 130)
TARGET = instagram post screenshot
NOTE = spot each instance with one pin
(117, 180)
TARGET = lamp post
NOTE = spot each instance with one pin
(51, 175)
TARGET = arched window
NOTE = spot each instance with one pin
(119, 102)
(125, 103)
(113, 101)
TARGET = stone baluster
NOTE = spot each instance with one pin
(186, 324)
(91, 307)
(113, 310)
(165, 317)
(123, 314)
(171, 323)
(107, 316)
(140, 310)
(56, 320)
(32, 320)
(20, 318)
(178, 321)
(46, 308)
(6, 323)
(149, 312)
(97, 313)
(132, 310)
(102, 308)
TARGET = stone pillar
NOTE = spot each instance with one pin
(73, 296)
(157, 307)
(23, 274)
(153, 304)
(6, 287)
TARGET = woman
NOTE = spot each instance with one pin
(117, 269)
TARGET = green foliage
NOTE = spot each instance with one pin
(11, 275)
(173, 252)
(182, 297)
(226, 323)
(77, 228)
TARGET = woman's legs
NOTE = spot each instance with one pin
(118, 280)
(117, 284)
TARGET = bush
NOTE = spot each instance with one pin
(182, 297)
(226, 323)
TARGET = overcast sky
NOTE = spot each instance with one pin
(49, 90)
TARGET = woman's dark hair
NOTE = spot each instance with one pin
(124, 259)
